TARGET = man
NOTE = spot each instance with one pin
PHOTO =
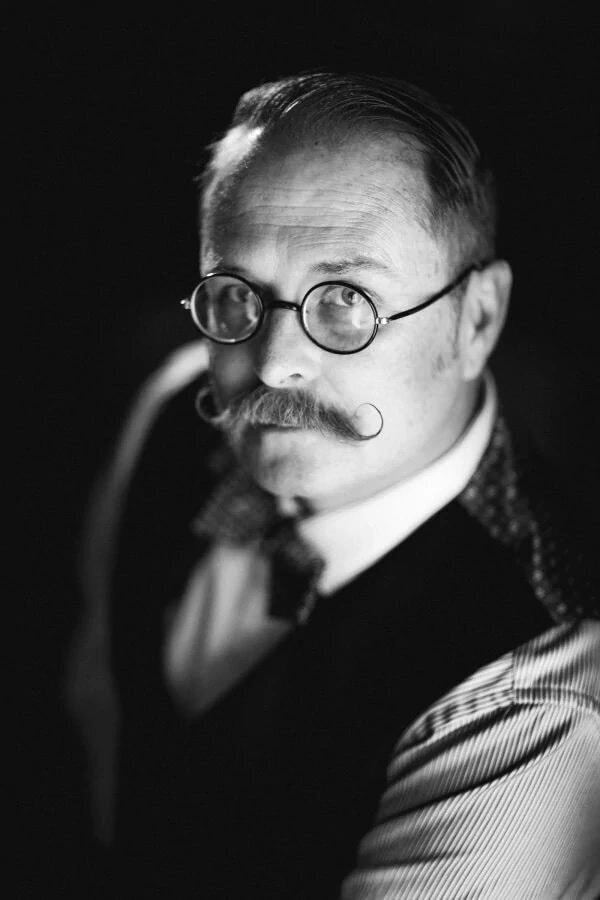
(354, 649)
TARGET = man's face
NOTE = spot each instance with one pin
(301, 215)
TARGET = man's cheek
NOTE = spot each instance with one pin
(232, 371)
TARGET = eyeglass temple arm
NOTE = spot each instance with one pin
(475, 267)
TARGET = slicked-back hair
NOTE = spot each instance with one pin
(460, 208)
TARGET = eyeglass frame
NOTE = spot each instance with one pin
(378, 320)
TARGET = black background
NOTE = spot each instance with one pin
(119, 110)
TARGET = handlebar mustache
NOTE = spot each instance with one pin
(286, 408)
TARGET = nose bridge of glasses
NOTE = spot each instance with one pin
(282, 304)
(285, 328)
(281, 357)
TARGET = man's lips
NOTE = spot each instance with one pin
(277, 426)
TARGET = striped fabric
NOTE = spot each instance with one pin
(494, 792)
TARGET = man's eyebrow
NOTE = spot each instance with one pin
(351, 264)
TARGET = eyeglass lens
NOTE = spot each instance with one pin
(336, 316)
(225, 309)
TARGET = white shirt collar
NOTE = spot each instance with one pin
(352, 538)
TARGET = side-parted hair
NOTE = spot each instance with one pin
(461, 206)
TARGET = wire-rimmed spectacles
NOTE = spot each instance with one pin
(335, 315)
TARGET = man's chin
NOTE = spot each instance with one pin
(284, 461)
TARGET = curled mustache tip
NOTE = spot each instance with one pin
(368, 421)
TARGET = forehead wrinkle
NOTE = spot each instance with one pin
(374, 225)
(406, 202)
(305, 218)
(333, 243)
(346, 241)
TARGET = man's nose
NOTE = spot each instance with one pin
(285, 356)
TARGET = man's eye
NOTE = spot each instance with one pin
(344, 297)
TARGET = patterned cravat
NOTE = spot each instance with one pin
(239, 512)
(502, 497)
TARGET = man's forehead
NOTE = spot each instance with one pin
(341, 195)
(249, 164)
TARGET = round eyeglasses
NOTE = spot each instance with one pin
(335, 315)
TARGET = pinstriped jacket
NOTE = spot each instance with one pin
(495, 790)
(492, 791)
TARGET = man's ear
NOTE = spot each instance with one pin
(484, 308)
